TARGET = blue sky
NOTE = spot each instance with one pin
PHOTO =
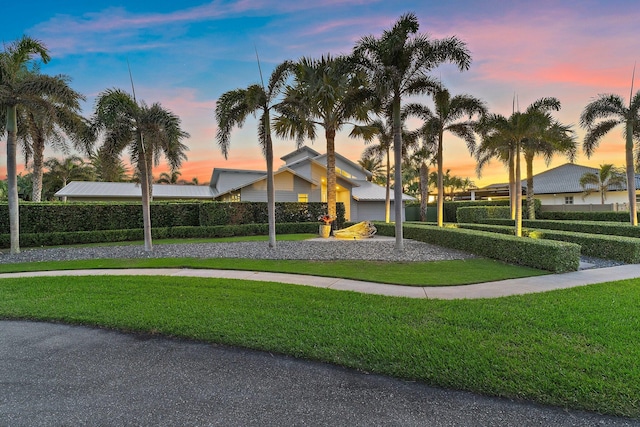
(186, 54)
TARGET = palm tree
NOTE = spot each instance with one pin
(169, 177)
(446, 117)
(383, 132)
(602, 115)
(108, 168)
(372, 163)
(147, 132)
(327, 92)
(51, 123)
(603, 180)
(60, 173)
(19, 87)
(232, 109)
(552, 138)
(505, 138)
(398, 63)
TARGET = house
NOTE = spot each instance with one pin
(302, 178)
(560, 187)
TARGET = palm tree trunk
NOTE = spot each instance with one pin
(387, 200)
(440, 182)
(512, 183)
(12, 180)
(36, 177)
(518, 194)
(424, 191)
(531, 207)
(331, 172)
(271, 194)
(146, 197)
(631, 178)
(397, 185)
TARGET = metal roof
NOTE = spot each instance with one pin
(566, 179)
(89, 189)
(369, 192)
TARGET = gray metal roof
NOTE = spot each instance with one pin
(565, 179)
(89, 189)
(225, 180)
(370, 192)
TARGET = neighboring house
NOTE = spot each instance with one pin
(128, 191)
(301, 179)
(561, 186)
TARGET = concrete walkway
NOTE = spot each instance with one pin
(482, 290)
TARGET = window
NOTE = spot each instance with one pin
(568, 200)
(235, 196)
(303, 198)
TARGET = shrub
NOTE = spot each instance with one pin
(450, 208)
(619, 248)
(593, 227)
(475, 214)
(586, 216)
(557, 257)
(102, 236)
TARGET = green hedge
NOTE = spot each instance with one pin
(102, 236)
(475, 214)
(587, 216)
(450, 208)
(593, 227)
(557, 257)
(619, 248)
(72, 217)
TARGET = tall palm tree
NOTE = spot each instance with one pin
(19, 87)
(446, 117)
(607, 177)
(602, 115)
(233, 108)
(52, 123)
(505, 137)
(372, 163)
(146, 132)
(330, 93)
(382, 130)
(552, 138)
(60, 173)
(398, 63)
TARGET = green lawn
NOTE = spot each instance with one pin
(436, 273)
(576, 348)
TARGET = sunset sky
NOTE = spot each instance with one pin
(186, 54)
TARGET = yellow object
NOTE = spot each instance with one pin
(361, 230)
(325, 231)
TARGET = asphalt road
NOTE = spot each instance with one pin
(55, 375)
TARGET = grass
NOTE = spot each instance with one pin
(436, 273)
(576, 348)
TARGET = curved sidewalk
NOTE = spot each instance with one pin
(481, 290)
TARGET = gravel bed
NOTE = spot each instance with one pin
(374, 250)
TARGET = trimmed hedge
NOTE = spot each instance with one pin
(593, 227)
(475, 214)
(72, 217)
(586, 216)
(102, 236)
(619, 248)
(557, 257)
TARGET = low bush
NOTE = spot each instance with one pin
(557, 257)
(475, 214)
(586, 216)
(102, 236)
(619, 248)
(594, 227)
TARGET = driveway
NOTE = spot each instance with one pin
(53, 375)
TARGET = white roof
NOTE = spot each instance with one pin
(369, 192)
(89, 189)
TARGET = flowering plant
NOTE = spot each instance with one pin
(326, 219)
